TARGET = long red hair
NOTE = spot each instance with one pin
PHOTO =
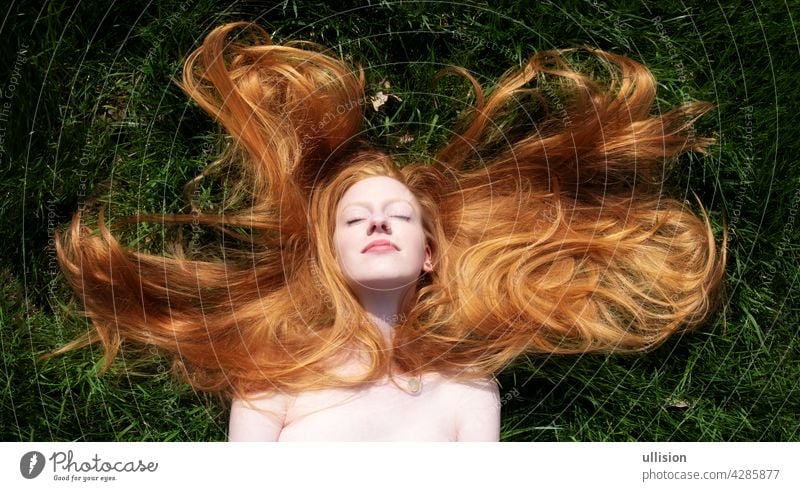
(555, 240)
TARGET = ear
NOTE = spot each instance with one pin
(427, 266)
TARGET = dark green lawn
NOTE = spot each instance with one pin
(88, 110)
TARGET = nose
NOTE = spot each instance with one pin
(379, 221)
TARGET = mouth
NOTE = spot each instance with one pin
(380, 246)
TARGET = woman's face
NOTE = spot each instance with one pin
(382, 211)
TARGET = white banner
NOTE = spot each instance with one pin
(399, 466)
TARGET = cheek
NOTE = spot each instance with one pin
(420, 242)
(342, 238)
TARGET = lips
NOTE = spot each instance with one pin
(378, 246)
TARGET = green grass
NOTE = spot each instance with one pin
(93, 106)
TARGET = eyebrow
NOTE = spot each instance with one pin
(366, 204)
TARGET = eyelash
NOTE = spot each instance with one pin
(350, 222)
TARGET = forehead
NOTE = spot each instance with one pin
(376, 189)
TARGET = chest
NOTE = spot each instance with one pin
(380, 412)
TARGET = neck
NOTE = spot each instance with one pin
(386, 308)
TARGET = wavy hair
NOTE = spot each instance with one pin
(553, 237)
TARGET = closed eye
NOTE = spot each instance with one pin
(354, 220)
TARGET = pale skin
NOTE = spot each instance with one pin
(383, 279)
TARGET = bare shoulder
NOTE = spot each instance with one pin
(266, 402)
(259, 417)
(479, 390)
(477, 409)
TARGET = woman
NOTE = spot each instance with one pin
(382, 250)
(516, 238)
